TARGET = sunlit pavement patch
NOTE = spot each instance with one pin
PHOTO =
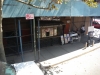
(58, 65)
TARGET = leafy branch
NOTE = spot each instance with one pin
(49, 7)
(91, 3)
(52, 3)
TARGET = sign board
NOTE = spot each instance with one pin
(90, 28)
(29, 16)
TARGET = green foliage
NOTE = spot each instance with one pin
(91, 3)
(52, 3)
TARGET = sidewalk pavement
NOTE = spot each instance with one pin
(80, 62)
(86, 64)
(70, 50)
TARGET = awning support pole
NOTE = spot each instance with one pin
(20, 39)
(35, 53)
(38, 39)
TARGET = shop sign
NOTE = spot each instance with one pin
(29, 16)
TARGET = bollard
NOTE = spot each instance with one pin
(85, 45)
(93, 43)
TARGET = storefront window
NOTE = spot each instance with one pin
(51, 31)
(43, 32)
(55, 31)
(48, 31)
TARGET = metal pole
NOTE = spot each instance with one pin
(91, 19)
(20, 39)
(34, 38)
(38, 40)
(84, 20)
(16, 34)
(70, 7)
(31, 33)
(73, 24)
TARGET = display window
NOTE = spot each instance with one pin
(48, 31)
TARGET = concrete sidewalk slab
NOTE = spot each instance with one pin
(68, 56)
(87, 64)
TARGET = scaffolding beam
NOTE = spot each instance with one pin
(20, 39)
(38, 39)
(35, 53)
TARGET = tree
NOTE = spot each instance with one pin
(91, 3)
(2, 53)
(52, 3)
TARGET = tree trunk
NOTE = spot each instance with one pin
(2, 53)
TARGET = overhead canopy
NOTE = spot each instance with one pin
(12, 8)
